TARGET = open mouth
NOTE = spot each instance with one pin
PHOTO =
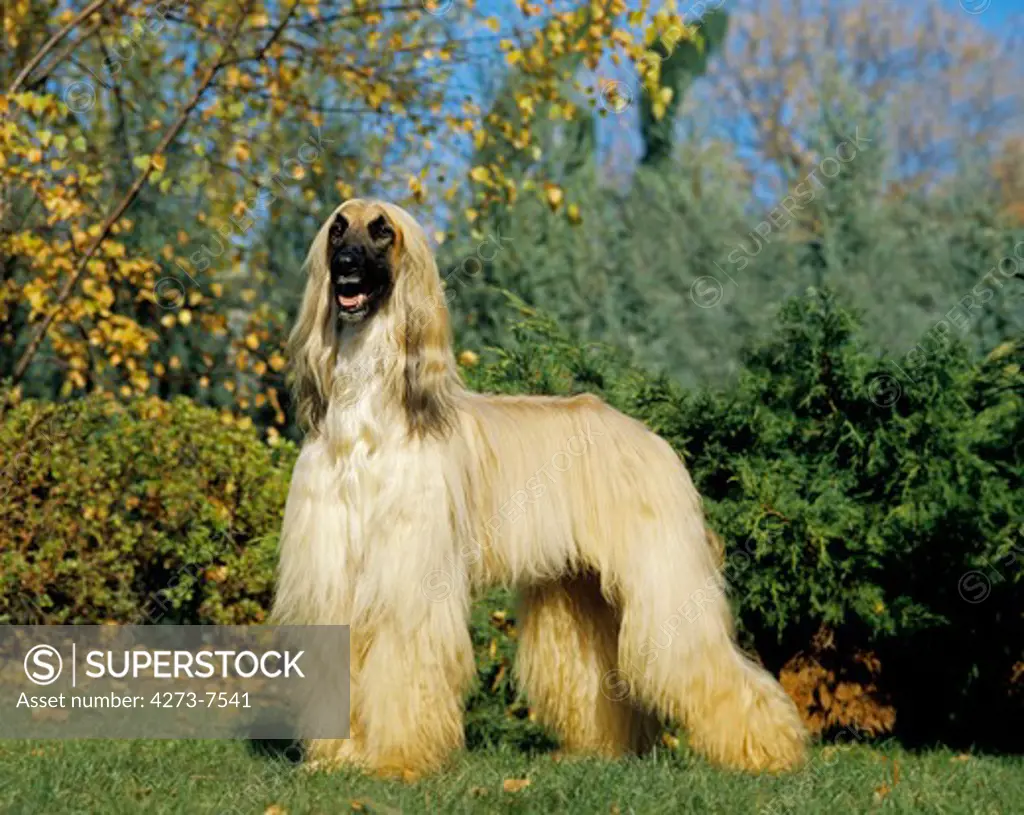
(355, 296)
(353, 301)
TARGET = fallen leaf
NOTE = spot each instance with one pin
(515, 784)
(275, 809)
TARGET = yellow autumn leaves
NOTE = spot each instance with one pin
(88, 337)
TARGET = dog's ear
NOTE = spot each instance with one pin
(310, 347)
(428, 367)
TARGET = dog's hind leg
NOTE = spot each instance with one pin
(566, 664)
(678, 656)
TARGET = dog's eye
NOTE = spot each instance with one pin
(380, 230)
(337, 231)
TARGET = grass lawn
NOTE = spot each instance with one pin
(231, 777)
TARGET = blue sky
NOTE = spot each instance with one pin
(997, 13)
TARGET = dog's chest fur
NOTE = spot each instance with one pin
(370, 503)
(363, 432)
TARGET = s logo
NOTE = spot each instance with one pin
(43, 665)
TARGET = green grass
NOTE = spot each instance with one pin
(230, 777)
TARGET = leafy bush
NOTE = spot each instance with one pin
(150, 511)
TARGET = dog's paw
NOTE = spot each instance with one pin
(320, 765)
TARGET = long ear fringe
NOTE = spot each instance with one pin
(311, 349)
(427, 364)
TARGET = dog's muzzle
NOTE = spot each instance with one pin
(350, 284)
(358, 281)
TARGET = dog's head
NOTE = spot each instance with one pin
(371, 262)
(364, 249)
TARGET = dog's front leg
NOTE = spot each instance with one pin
(315, 575)
(417, 664)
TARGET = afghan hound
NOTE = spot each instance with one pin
(410, 492)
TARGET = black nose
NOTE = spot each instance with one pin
(349, 259)
(351, 256)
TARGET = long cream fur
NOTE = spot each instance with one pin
(410, 492)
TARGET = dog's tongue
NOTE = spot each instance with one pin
(351, 302)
